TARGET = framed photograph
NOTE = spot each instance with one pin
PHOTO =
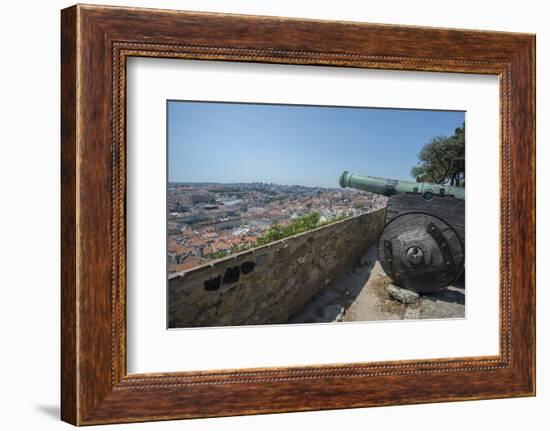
(264, 214)
(265, 229)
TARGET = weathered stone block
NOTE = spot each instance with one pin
(405, 296)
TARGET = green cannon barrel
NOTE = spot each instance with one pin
(388, 187)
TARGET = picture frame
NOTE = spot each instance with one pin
(96, 42)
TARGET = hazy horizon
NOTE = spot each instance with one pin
(246, 182)
(308, 146)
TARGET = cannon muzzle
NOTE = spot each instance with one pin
(389, 187)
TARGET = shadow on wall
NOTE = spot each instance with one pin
(271, 283)
(51, 411)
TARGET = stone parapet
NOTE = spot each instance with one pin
(271, 283)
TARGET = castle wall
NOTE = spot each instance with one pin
(271, 283)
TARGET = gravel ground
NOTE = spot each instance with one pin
(361, 295)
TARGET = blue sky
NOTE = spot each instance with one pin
(295, 144)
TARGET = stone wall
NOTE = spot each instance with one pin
(269, 284)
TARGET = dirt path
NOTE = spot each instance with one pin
(360, 295)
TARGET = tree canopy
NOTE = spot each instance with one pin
(442, 160)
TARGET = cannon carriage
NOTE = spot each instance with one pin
(422, 245)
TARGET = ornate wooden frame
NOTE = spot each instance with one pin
(95, 42)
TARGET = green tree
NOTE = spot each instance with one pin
(277, 231)
(296, 226)
(442, 160)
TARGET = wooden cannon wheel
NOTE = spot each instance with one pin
(421, 252)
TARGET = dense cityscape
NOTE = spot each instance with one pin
(210, 220)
